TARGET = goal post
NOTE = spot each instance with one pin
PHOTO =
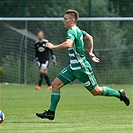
(113, 44)
(61, 19)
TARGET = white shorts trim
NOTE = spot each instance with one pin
(45, 65)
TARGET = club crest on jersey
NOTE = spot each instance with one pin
(41, 49)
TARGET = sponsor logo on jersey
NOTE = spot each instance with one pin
(43, 44)
(41, 49)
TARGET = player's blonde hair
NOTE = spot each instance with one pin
(73, 13)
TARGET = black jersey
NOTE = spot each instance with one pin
(42, 52)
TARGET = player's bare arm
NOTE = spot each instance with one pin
(65, 45)
(89, 40)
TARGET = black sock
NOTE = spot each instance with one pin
(47, 79)
(41, 79)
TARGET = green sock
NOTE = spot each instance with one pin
(55, 97)
(110, 92)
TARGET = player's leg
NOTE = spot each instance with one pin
(47, 78)
(107, 91)
(87, 77)
(64, 77)
(44, 74)
(55, 96)
(45, 71)
(40, 78)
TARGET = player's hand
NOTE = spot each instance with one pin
(49, 45)
(38, 63)
(54, 60)
(94, 58)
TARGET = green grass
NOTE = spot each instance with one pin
(78, 111)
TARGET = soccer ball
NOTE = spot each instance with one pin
(2, 116)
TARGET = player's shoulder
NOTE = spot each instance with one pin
(70, 31)
(36, 42)
(77, 30)
(45, 40)
(74, 30)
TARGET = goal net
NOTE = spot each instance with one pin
(113, 44)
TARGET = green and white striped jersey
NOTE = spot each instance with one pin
(76, 53)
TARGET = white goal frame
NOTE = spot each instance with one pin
(60, 19)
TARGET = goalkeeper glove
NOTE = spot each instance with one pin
(54, 60)
(37, 63)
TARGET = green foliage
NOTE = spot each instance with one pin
(100, 8)
(48, 8)
(122, 8)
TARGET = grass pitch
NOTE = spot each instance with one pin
(78, 111)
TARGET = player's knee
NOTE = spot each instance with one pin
(55, 86)
(96, 92)
(44, 71)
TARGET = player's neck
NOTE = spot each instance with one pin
(73, 25)
(41, 40)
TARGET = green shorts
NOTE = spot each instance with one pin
(84, 75)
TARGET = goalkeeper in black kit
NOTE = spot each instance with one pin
(42, 59)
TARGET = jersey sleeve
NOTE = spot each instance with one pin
(51, 52)
(84, 33)
(70, 34)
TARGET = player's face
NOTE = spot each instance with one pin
(40, 36)
(68, 20)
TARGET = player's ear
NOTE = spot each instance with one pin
(73, 20)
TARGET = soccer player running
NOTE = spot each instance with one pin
(79, 67)
(42, 59)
